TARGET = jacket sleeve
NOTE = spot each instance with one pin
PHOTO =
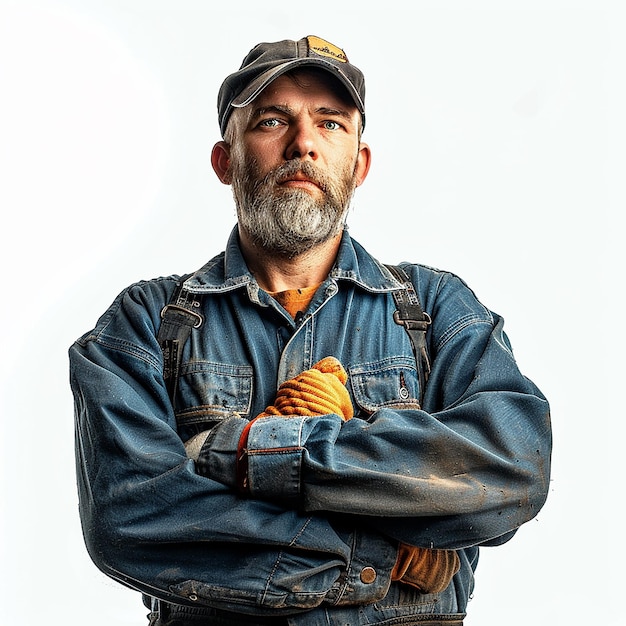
(469, 469)
(152, 523)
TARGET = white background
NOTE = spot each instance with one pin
(497, 131)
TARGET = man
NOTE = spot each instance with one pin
(303, 471)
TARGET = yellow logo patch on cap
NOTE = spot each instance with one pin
(326, 49)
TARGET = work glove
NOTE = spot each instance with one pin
(317, 391)
(430, 571)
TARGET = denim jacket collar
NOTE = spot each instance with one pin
(228, 270)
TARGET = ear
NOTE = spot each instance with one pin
(363, 161)
(220, 160)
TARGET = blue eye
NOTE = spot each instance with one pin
(331, 125)
(270, 123)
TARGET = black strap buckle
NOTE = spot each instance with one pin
(196, 317)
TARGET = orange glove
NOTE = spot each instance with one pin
(317, 391)
(429, 570)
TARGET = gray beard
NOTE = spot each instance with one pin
(289, 222)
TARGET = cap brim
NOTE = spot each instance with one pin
(263, 80)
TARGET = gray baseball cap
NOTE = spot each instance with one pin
(267, 61)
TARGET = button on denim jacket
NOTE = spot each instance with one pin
(316, 538)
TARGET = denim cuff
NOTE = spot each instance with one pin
(217, 459)
(275, 452)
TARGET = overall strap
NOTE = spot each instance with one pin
(178, 318)
(415, 321)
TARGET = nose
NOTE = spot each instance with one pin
(301, 143)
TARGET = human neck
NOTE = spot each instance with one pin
(278, 273)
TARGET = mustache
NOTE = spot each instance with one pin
(286, 171)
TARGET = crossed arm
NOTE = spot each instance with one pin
(323, 494)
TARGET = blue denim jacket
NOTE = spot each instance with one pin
(329, 500)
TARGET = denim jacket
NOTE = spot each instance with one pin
(316, 538)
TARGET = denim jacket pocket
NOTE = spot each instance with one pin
(406, 605)
(391, 382)
(210, 392)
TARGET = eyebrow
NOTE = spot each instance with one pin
(286, 110)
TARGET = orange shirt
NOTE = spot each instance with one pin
(295, 300)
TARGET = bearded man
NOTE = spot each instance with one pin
(296, 433)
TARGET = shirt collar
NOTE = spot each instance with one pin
(228, 270)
